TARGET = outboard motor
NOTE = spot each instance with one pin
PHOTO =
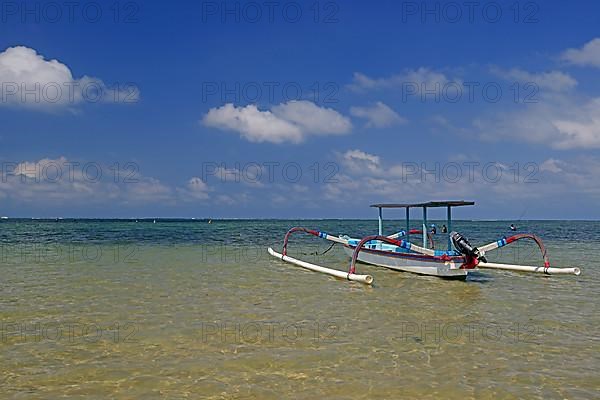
(463, 246)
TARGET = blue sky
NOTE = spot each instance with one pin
(213, 109)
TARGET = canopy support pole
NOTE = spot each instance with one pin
(449, 215)
(407, 224)
(380, 223)
(425, 227)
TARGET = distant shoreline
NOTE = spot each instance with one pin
(216, 220)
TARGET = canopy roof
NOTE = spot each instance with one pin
(456, 203)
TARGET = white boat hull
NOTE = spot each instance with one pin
(410, 263)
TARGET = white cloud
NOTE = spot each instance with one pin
(588, 55)
(288, 122)
(559, 117)
(357, 161)
(253, 124)
(145, 190)
(50, 169)
(583, 131)
(46, 180)
(561, 122)
(58, 181)
(379, 115)
(552, 80)
(552, 165)
(423, 78)
(575, 176)
(362, 81)
(197, 188)
(493, 181)
(29, 80)
(312, 118)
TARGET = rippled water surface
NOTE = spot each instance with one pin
(180, 309)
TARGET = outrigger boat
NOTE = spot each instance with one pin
(397, 252)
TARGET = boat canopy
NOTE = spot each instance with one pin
(428, 204)
(424, 206)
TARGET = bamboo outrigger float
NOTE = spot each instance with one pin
(398, 253)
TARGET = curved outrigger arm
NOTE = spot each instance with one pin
(511, 239)
(326, 236)
(546, 269)
(400, 243)
(313, 232)
(368, 279)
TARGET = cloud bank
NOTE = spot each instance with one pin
(588, 55)
(378, 115)
(290, 122)
(31, 81)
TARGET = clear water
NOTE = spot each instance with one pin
(180, 309)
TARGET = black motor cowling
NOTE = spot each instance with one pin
(463, 246)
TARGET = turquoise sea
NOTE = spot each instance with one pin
(187, 309)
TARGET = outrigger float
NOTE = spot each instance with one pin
(398, 253)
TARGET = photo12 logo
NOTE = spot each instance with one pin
(70, 12)
(67, 93)
(469, 332)
(270, 12)
(469, 91)
(57, 171)
(469, 172)
(69, 253)
(20, 332)
(259, 173)
(270, 91)
(257, 332)
(454, 12)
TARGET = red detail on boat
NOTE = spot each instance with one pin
(420, 232)
(470, 263)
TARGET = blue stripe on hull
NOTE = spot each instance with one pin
(413, 256)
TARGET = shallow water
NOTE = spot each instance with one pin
(188, 309)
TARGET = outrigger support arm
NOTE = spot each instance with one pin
(368, 279)
(508, 240)
(546, 269)
(366, 239)
(401, 243)
(414, 231)
(322, 235)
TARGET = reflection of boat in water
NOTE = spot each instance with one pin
(398, 253)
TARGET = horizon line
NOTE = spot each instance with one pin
(4, 218)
